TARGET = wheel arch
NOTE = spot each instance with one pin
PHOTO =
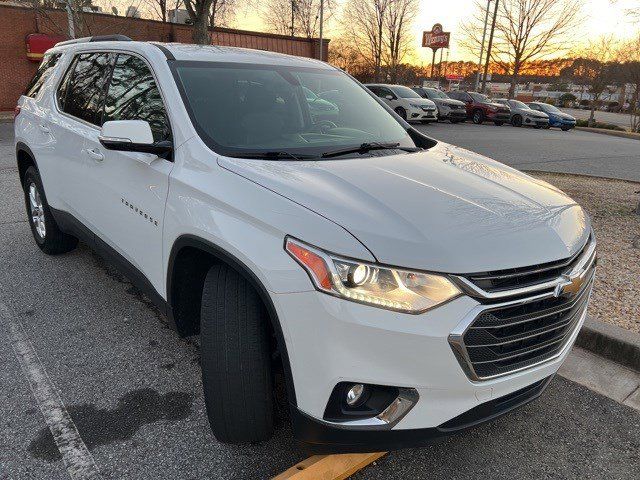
(184, 286)
(24, 158)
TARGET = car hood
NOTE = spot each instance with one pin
(446, 209)
(449, 101)
(421, 101)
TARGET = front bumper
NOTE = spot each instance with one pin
(457, 114)
(536, 122)
(323, 438)
(330, 340)
(499, 117)
(422, 115)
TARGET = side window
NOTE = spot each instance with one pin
(134, 95)
(384, 92)
(44, 71)
(454, 95)
(374, 90)
(85, 91)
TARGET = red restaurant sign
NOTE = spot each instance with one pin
(38, 43)
(436, 38)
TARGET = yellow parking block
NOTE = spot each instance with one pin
(329, 467)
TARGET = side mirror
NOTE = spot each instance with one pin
(389, 97)
(132, 136)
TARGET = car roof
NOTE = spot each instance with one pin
(199, 53)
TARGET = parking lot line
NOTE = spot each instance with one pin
(329, 467)
(75, 454)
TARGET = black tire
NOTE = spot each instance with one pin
(235, 356)
(498, 124)
(478, 116)
(52, 240)
(516, 121)
(565, 129)
(547, 126)
(402, 112)
(537, 127)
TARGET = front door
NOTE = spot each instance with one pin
(131, 188)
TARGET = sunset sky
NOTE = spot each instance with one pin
(602, 17)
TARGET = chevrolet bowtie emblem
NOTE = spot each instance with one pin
(570, 286)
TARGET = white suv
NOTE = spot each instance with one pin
(405, 102)
(406, 289)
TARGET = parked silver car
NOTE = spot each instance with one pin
(406, 103)
(448, 109)
(522, 114)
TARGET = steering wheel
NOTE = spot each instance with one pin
(325, 125)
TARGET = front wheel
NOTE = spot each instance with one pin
(235, 356)
(478, 117)
(516, 121)
(565, 129)
(44, 228)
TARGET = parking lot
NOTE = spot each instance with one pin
(132, 387)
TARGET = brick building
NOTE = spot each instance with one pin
(17, 22)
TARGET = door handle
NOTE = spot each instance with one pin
(95, 154)
(45, 129)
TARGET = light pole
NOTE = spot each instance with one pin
(321, 21)
(493, 28)
(293, 12)
(484, 35)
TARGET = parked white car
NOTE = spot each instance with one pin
(407, 289)
(405, 102)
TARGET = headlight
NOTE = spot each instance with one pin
(384, 287)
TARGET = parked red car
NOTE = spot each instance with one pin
(480, 107)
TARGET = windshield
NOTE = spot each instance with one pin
(517, 104)
(479, 97)
(549, 108)
(246, 108)
(404, 92)
(433, 93)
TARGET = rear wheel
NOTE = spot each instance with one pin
(516, 121)
(478, 117)
(44, 228)
(236, 358)
(402, 112)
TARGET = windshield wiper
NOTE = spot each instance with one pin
(367, 147)
(275, 155)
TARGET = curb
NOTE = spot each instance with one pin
(615, 343)
(614, 133)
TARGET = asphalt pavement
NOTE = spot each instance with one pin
(133, 391)
(620, 119)
(550, 150)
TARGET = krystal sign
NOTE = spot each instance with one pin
(436, 38)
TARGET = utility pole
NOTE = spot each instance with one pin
(484, 35)
(321, 21)
(293, 12)
(493, 28)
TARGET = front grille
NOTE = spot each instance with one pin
(504, 280)
(520, 334)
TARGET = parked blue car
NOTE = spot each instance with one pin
(556, 117)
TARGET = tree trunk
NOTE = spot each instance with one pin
(200, 34)
(592, 114)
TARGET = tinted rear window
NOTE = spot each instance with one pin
(45, 69)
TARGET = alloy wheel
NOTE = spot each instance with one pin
(37, 210)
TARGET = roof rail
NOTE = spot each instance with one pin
(97, 38)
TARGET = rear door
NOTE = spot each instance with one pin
(79, 98)
(129, 188)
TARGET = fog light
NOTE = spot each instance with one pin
(354, 394)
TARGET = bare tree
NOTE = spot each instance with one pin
(526, 30)
(305, 13)
(397, 41)
(629, 66)
(364, 27)
(596, 69)
(222, 11)
(199, 11)
(160, 8)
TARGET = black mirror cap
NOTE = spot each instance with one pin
(420, 139)
(163, 149)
